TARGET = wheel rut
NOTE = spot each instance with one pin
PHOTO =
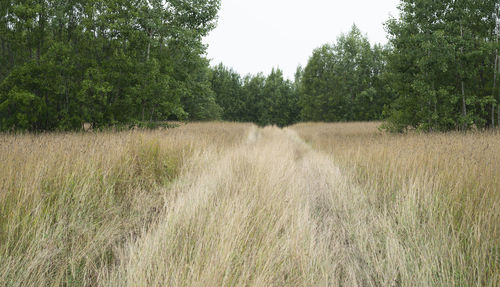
(271, 211)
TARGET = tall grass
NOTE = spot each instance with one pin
(440, 193)
(221, 204)
(68, 202)
(267, 213)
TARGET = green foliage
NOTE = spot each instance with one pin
(227, 86)
(103, 62)
(198, 99)
(442, 68)
(342, 82)
(270, 100)
(116, 62)
(279, 103)
(22, 107)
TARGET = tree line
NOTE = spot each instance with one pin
(67, 62)
(443, 65)
(341, 82)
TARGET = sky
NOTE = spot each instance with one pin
(255, 36)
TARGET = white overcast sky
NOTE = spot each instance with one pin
(256, 35)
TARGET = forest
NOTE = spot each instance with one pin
(64, 63)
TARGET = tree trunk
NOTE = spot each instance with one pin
(30, 44)
(494, 87)
(4, 68)
(435, 108)
(11, 55)
(492, 116)
(41, 31)
(497, 32)
(149, 47)
(464, 105)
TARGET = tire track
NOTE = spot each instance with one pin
(269, 212)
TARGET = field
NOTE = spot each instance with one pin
(223, 204)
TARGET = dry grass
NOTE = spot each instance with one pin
(234, 205)
(439, 192)
(69, 201)
(272, 212)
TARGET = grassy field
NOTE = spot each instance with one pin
(221, 204)
(69, 202)
(438, 193)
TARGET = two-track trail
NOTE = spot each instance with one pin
(269, 212)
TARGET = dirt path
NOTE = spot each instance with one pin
(269, 212)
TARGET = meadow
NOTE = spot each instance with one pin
(226, 204)
(436, 197)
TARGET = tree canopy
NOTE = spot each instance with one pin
(443, 64)
(68, 62)
(65, 62)
(342, 81)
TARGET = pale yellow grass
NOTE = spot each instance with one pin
(68, 202)
(439, 192)
(271, 212)
(236, 205)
